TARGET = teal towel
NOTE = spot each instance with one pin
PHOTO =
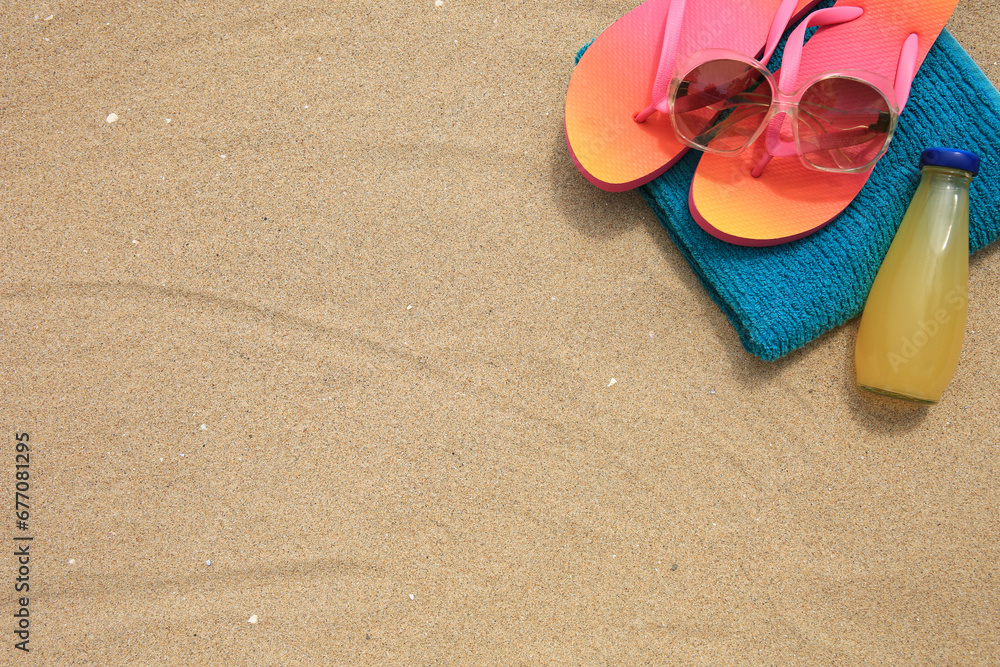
(782, 297)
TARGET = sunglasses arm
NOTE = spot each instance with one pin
(741, 112)
(847, 138)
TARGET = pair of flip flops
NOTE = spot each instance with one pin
(622, 77)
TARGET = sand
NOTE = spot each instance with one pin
(327, 355)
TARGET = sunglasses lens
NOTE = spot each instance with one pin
(720, 104)
(844, 124)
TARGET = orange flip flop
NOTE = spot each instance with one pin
(630, 64)
(754, 200)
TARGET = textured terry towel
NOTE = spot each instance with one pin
(782, 297)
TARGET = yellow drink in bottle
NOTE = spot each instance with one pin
(914, 320)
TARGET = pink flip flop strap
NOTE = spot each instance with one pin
(668, 54)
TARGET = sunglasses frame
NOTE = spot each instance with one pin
(786, 103)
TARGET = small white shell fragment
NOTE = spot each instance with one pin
(203, 427)
(613, 382)
(439, 3)
(112, 117)
(208, 562)
(252, 619)
(411, 596)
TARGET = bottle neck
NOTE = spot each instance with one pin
(943, 202)
(946, 175)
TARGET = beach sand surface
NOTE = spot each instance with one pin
(326, 354)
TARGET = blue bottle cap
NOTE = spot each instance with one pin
(951, 158)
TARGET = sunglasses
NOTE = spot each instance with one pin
(840, 121)
(722, 101)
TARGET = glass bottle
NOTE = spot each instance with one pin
(913, 323)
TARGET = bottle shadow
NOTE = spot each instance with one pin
(875, 413)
